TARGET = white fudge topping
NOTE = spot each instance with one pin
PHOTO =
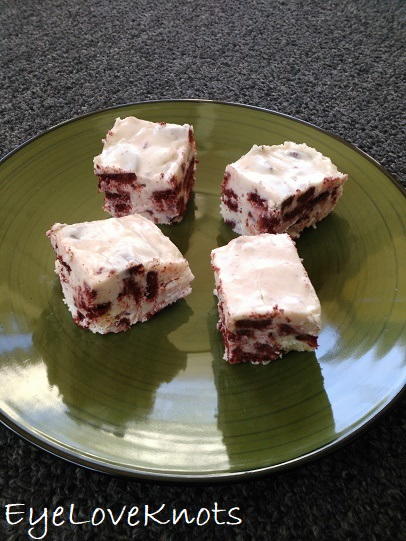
(280, 170)
(121, 155)
(257, 273)
(145, 148)
(96, 248)
(117, 272)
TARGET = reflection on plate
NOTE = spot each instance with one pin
(159, 401)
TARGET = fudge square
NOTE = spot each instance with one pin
(279, 189)
(147, 168)
(118, 271)
(266, 302)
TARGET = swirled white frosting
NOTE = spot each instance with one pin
(148, 149)
(258, 273)
(279, 170)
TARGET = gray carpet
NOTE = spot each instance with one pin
(339, 65)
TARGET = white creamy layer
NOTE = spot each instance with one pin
(177, 289)
(257, 273)
(248, 344)
(96, 248)
(97, 255)
(280, 170)
(145, 148)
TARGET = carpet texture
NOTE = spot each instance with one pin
(339, 65)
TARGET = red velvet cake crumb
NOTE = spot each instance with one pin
(230, 199)
(64, 264)
(287, 202)
(152, 164)
(136, 269)
(256, 200)
(130, 289)
(285, 329)
(309, 339)
(292, 180)
(254, 323)
(268, 223)
(152, 285)
(266, 303)
(308, 194)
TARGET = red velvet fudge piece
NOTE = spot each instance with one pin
(279, 189)
(147, 168)
(266, 302)
(117, 272)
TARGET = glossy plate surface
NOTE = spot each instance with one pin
(159, 401)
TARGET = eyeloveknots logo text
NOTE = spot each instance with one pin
(39, 523)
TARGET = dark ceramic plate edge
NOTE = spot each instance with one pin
(176, 477)
(228, 103)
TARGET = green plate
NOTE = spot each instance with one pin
(159, 401)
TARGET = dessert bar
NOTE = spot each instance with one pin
(279, 189)
(147, 168)
(266, 302)
(118, 271)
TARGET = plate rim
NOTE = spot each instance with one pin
(100, 466)
(219, 102)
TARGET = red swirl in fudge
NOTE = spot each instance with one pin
(266, 302)
(147, 168)
(278, 189)
(117, 272)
